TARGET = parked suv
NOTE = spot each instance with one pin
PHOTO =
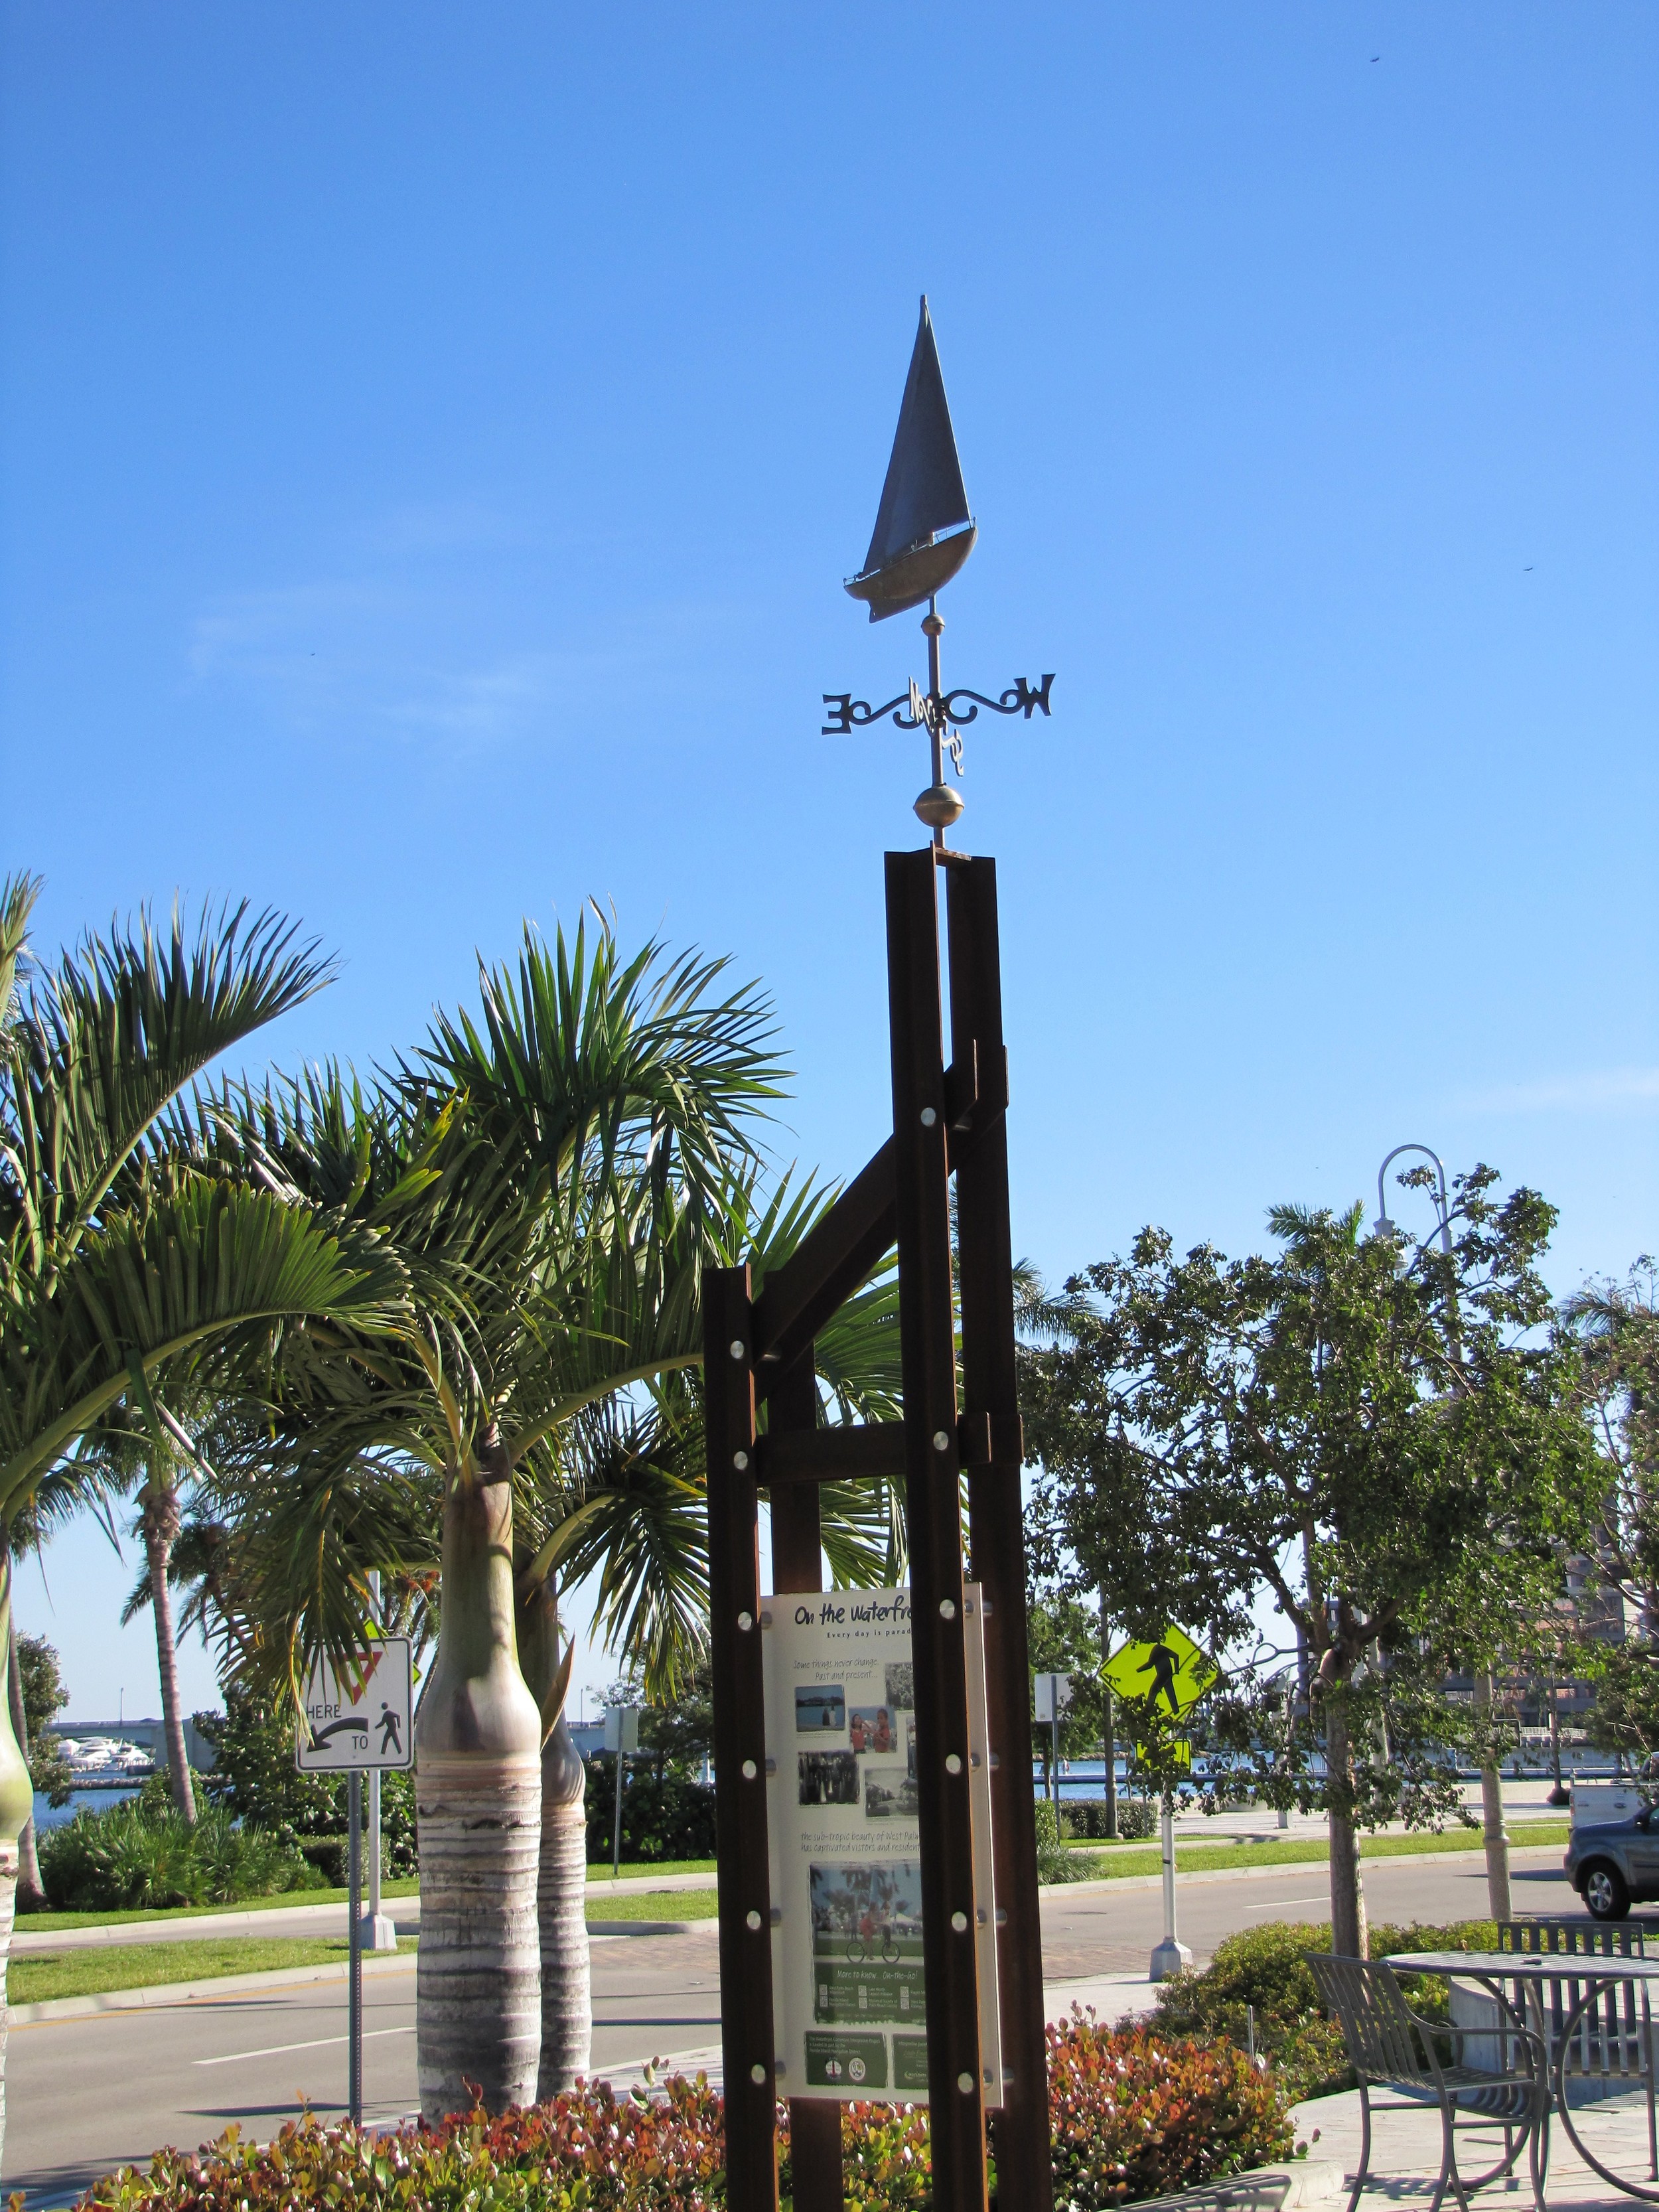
(1614, 1864)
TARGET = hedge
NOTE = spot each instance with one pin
(673, 1819)
(1265, 1969)
(1135, 2114)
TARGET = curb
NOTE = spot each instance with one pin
(1284, 1866)
(649, 1927)
(168, 1993)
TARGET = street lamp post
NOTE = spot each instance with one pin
(1491, 1783)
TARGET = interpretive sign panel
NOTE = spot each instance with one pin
(843, 1817)
(362, 1719)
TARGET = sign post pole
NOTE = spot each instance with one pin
(1171, 1954)
(615, 1839)
(357, 1720)
(354, 1970)
(379, 1933)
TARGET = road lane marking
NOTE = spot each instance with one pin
(1279, 1901)
(317, 2043)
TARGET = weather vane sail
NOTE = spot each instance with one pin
(923, 494)
(909, 560)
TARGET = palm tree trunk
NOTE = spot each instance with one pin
(31, 1891)
(562, 1891)
(479, 1787)
(159, 1512)
(1348, 1929)
(16, 1804)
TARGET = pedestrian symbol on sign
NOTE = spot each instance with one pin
(360, 1716)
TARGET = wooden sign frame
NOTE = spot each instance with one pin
(946, 1120)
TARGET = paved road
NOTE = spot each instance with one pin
(87, 2093)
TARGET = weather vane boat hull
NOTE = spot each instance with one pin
(909, 578)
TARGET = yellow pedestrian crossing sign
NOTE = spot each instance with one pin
(1173, 1673)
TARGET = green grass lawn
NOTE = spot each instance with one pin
(38, 1979)
(632, 1870)
(1123, 1860)
(654, 1904)
(46, 1924)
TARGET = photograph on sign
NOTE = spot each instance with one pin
(843, 1814)
(820, 1709)
(828, 1777)
(361, 1718)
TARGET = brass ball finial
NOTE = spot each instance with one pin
(939, 805)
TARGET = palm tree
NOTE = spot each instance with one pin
(132, 1457)
(591, 1128)
(548, 1171)
(120, 1268)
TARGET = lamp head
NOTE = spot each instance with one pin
(1391, 1230)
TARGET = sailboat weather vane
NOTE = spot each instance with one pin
(912, 559)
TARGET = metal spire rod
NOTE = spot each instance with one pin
(944, 714)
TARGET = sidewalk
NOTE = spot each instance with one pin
(1406, 2152)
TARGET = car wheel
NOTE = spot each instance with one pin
(1605, 1892)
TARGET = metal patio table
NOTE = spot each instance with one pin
(1607, 2024)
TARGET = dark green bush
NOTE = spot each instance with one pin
(673, 1819)
(328, 1856)
(1085, 1818)
(139, 1855)
(1134, 2115)
(1265, 1968)
(1058, 1862)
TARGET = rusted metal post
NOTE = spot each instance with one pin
(928, 1351)
(990, 1388)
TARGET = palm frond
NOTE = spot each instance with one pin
(195, 1280)
(101, 1045)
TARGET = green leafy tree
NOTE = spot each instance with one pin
(253, 1776)
(44, 1694)
(1063, 1636)
(1625, 1716)
(1616, 1326)
(1385, 1441)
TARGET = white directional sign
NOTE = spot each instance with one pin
(1054, 1697)
(363, 1718)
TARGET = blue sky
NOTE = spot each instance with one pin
(432, 441)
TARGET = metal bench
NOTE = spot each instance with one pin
(1390, 2047)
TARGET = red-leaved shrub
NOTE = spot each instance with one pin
(1132, 2113)
(1135, 2114)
